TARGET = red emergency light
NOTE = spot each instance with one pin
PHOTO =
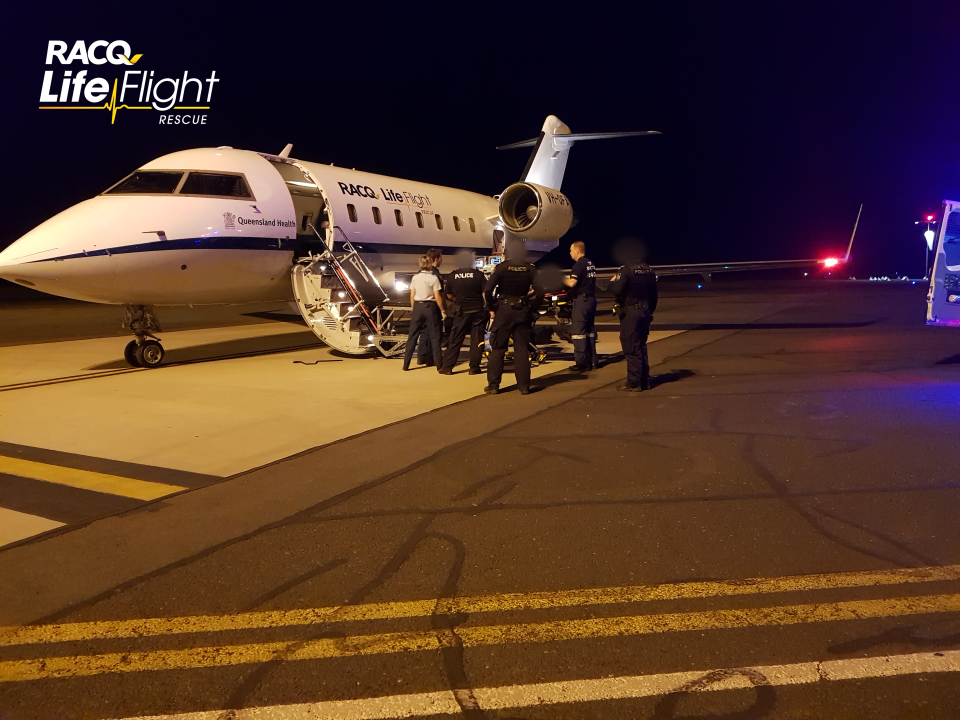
(929, 218)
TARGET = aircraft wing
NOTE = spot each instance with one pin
(710, 268)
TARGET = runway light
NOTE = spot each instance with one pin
(699, 287)
(831, 262)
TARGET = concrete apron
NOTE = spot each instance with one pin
(225, 416)
(55, 572)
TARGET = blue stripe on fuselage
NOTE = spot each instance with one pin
(205, 243)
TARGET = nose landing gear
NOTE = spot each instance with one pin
(142, 322)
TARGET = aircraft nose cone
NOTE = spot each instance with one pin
(35, 259)
(15, 260)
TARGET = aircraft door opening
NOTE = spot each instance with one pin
(310, 207)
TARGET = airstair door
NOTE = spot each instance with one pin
(943, 298)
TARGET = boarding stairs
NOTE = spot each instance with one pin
(344, 304)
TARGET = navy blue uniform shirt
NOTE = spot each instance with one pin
(466, 285)
(585, 273)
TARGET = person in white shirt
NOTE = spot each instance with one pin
(427, 302)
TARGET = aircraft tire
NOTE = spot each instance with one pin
(130, 354)
(149, 354)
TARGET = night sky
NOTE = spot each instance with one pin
(778, 119)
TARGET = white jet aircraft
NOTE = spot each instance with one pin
(225, 226)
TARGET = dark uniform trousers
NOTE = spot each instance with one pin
(464, 323)
(634, 330)
(426, 320)
(514, 321)
(425, 345)
(582, 331)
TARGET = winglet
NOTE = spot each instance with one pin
(285, 153)
(853, 234)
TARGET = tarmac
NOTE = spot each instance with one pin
(769, 532)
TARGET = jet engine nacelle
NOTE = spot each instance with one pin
(534, 212)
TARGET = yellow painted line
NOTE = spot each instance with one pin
(595, 690)
(417, 641)
(32, 634)
(85, 479)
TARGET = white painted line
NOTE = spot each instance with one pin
(578, 691)
(17, 525)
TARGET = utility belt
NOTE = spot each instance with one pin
(641, 305)
(514, 302)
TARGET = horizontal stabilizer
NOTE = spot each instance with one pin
(572, 137)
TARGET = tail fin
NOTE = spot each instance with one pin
(550, 151)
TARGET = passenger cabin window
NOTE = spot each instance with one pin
(215, 185)
(419, 220)
(399, 216)
(352, 212)
(439, 222)
(473, 228)
(147, 182)
(456, 223)
(376, 215)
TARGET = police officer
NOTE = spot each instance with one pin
(582, 283)
(464, 288)
(635, 288)
(425, 351)
(507, 295)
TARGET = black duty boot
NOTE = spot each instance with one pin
(627, 387)
(645, 382)
(492, 389)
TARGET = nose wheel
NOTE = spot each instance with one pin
(130, 354)
(145, 354)
(149, 354)
(145, 351)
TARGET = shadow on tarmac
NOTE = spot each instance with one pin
(671, 377)
(229, 348)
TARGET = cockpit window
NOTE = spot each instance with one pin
(147, 182)
(216, 185)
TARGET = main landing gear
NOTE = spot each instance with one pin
(146, 351)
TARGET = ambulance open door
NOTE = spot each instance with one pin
(943, 298)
